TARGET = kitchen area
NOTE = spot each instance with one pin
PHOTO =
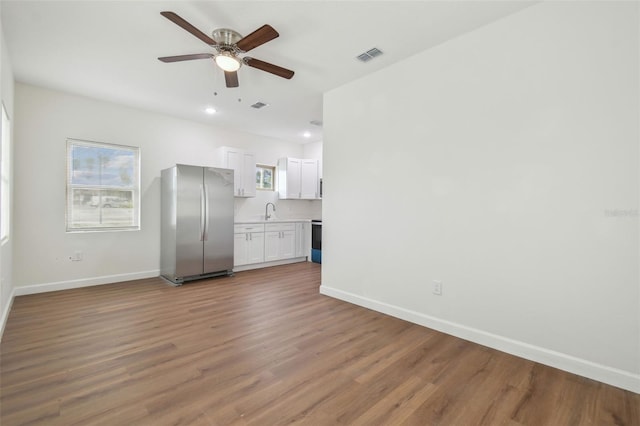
(239, 215)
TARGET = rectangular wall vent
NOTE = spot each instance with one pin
(259, 105)
(369, 54)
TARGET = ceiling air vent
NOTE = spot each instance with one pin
(259, 105)
(369, 54)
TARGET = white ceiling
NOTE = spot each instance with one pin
(108, 50)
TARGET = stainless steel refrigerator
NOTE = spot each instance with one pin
(197, 223)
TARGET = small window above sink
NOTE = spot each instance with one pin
(265, 177)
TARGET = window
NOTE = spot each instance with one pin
(265, 177)
(103, 185)
(5, 176)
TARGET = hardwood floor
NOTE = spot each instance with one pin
(265, 348)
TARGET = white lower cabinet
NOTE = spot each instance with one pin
(256, 244)
(248, 244)
(303, 241)
(279, 241)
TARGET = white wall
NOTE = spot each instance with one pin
(506, 164)
(44, 120)
(6, 247)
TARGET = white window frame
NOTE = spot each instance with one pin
(260, 168)
(134, 187)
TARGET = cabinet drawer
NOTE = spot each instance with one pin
(280, 227)
(248, 227)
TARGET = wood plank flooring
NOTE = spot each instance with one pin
(265, 348)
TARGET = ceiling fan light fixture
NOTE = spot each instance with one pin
(228, 62)
(229, 44)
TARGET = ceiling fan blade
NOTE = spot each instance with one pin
(266, 66)
(231, 78)
(186, 57)
(187, 26)
(260, 36)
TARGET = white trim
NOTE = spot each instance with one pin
(268, 264)
(602, 373)
(83, 282)
(5, 312)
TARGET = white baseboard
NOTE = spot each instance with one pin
(602, 373)
(268, 264)
(5, 312)
(83, 282)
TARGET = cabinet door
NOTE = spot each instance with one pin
(287, 245)
(255, 252)
(240, 243)
(248, 175)
(271, 245)
(234, 160)
(294, 167)
(309, 179)
(302, 240)
(244, 170)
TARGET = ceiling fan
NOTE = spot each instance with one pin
(229, 44)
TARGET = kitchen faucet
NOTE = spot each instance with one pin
(266, 210)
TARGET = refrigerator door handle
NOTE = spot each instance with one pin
(206, 212)
(203, 212)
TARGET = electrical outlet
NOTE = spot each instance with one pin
(437, 287)
(77, 256)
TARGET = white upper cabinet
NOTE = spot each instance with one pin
(298, 179)
(289, 178)
(243, 164)
(309, 183)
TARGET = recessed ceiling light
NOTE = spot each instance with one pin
(210, 110)
(306, 134)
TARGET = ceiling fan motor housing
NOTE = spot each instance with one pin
(226, 36)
